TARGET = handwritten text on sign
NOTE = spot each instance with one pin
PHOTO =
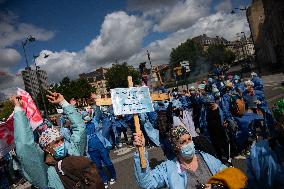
(131, 100)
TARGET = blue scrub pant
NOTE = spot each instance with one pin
(100, 155)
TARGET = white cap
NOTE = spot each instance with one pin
(249, 82)
(253, 74)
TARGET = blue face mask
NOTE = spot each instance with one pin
(188, 150)
(87, 118)
(217, 94)
(175, 94)
(60, 152)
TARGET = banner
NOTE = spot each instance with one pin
(7, 128)
(131, 100)
(32, 112)
(7, 136)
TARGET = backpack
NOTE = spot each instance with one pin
(79, 173)
(237, 105)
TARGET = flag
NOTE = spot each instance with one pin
(32, 112)
(7, 128)
(7, 136)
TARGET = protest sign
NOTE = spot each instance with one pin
(131, 100)
(32, 112)
(7, 128)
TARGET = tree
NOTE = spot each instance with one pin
(187, 51)
(77, 89)
(218, 54)
(116, 76)
(6, 108)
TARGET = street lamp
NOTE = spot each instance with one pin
(149, 58)
(39, 82)
(24, 43)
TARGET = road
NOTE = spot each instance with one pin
(123, 157)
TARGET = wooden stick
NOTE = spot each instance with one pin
(141, 150)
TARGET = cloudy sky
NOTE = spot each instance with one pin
(80, 36)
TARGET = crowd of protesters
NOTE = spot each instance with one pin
(199, 130)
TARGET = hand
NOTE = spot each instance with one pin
(54, 98)
(94, 96)
(73, 101)
(139, 140)
(16, 100)
(225, 124)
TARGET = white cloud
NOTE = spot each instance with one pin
(61, 64)
(8, 58)
(170, 16)
(9, 84)
(11, 32)
(149, 5)
(225, 5)
(183, 14)
(115, 41)
(121, 36)
(153, 9)
(221, 24)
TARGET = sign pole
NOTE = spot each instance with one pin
(138, 130)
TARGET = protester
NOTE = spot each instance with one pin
(266, 160)
(98, 150)
(231, 178)
(215, 126)
(188, 170)
(50, 165)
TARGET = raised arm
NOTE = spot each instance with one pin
(156, 178)
(79, 136)
(30, 155)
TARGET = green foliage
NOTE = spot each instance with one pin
(116, 76)
(187, 51)
(218, 54)
(79, 88)
(41, 100)
(6, 108)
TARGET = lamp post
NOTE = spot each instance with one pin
(149, 58)
(24, 43)
(39, 83)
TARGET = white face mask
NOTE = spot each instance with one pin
(188, 151)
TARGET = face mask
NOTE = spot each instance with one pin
(166, 104)
(188, 150)
(60, 152)
(174, 93)
(236, 81)
(217, 94)
(87, 118)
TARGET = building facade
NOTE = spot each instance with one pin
(205, 41)
(97, 79)
(266, 20)
(35, 81)
(242, 48)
